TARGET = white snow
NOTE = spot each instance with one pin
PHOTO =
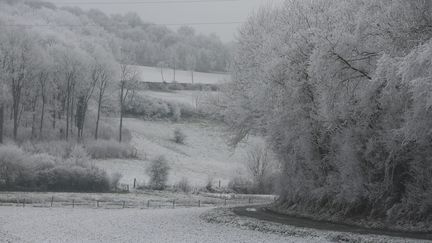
(153, 74)
(205, 153)
(125, 225)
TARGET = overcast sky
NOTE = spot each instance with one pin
(182, 11)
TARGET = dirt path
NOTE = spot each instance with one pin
(262, 213)
(127, 225)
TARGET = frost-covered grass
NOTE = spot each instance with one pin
(204, 155)
(137, 199)
(127, 225)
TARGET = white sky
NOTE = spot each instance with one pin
(175, 12)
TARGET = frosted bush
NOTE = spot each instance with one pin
(179, 136)
(184, 185)
(109, 149)
(158, 173)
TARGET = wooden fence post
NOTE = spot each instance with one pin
(97, 203)
(174, 203)
(24, 203)
(134, 183)
(73, 203)
(52, 200)
(199, 203)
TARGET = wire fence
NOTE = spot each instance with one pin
(142, 204)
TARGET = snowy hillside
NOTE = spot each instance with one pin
(153, 74)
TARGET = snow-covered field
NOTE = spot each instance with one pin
(153, 74)
(125, 225)
(205, 154)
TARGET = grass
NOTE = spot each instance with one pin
(135, 199)
(204, 155)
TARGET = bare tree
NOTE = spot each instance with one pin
(102, 85)
(191, 64)
(128, 85)
(161, 65)
(18, 55)
(43, 79)
(259, 165)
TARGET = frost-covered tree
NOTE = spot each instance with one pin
(340, 91)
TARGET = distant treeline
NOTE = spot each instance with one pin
(148, 44)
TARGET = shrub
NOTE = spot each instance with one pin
(109, 149)
(176, 112)
(241, 185)
(11, 166)
(179, 136)
(115, 180)
(209, 185)
(73, 178)
(260, 166)
(41, 172)
(108, 132)
(183, 185)
(152, 109)
(158, 172)
(61, 149)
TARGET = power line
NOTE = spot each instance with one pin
(96, 25)
(145, 2)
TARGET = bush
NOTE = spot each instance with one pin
(115, 180)
(241, 185)
(11, 166)
(109, 149)
(21, 171)
(61, 149)
(153, 109)
(158, 172)
(179, 136)
(183, 185)
(108, 132)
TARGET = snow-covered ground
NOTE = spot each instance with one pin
(125, 225)
(204, 155)
(153, 74)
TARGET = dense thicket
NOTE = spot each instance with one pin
(342, 91)
(53, 69)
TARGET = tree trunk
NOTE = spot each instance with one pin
(121, 111)
(163, 79)
(15, 117)
(98, 115)
(42, 116)
(1, 122)
(67, 116)
(72, 120)
(174, 72)
(33, 127)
